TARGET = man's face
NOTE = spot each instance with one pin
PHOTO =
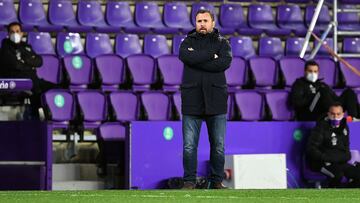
(336, 112)
(312, 69)
(204, 23)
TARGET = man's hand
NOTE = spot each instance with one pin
(216, 56)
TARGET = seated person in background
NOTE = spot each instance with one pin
(311, 98)
(18, 60)
(328, 152)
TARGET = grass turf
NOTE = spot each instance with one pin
(221, 196)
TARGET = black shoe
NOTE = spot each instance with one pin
(188, 185)
(216, 185)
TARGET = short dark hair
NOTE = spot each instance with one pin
(201, 11)
(336, 104)
(13, 24)
(311, 63)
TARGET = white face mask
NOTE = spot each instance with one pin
(312, 77)
(15, 37)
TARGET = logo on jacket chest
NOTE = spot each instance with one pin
(312, 89)
(333, 139)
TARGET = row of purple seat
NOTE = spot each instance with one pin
(141, 72)
(96, 107)
(157, 45)
(93, 107)
(176, 18)
(110, 113)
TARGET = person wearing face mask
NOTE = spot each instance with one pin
(311, 97)
(328, 151)
(18, 60)
(206, 55)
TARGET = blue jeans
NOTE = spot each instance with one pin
(216, 126)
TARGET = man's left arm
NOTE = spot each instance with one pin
(221, 61)
(30, 58)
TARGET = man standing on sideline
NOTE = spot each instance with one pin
(206, 56)
(328, 149)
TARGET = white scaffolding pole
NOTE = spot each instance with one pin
(311, 27)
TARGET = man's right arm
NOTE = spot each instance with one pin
(299, 99)
(191, 57)
(313, 145)
(8, 57)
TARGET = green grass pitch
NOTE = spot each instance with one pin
(220, 196)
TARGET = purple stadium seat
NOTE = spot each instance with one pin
(278, 105)
(177, 16)
(118, 14)
(351, 79)
(176, 42)
(93, 108)
(90, 15)
(41, 42)
(112, 71)
(322, 51)
(98, 44)
(32, 13)
(176, 99)
(294, 45)
(143, 71)
(125, 106)
(60, 107)
(232, 16)
(79, 71)
(69, 44)
(50, 69)
(242, 46)
(61, 13)
(7, 13)
(156, 105)
(127, 44)
(156, 45)
(348, 21)
(250, 105)
(236, 74)
(147, 15)
(351, 45)
(290, 17)
(171, 69)
(264, 71)
(323, 20)
(292, 68)
(261, 17)
(203, 5)
(327, 71)
(112, 131)
(3, 35)
(271, 47)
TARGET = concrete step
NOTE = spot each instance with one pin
(71, 172)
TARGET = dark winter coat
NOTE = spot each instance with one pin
(328, 144)
(302, 94)
(18, 60)
(204, 89)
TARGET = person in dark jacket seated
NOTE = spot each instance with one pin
(206, 55)
(311, 98)
(328, 151)
(18, 60)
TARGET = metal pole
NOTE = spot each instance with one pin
(323, 37)
(335, 12)
(311, 27)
